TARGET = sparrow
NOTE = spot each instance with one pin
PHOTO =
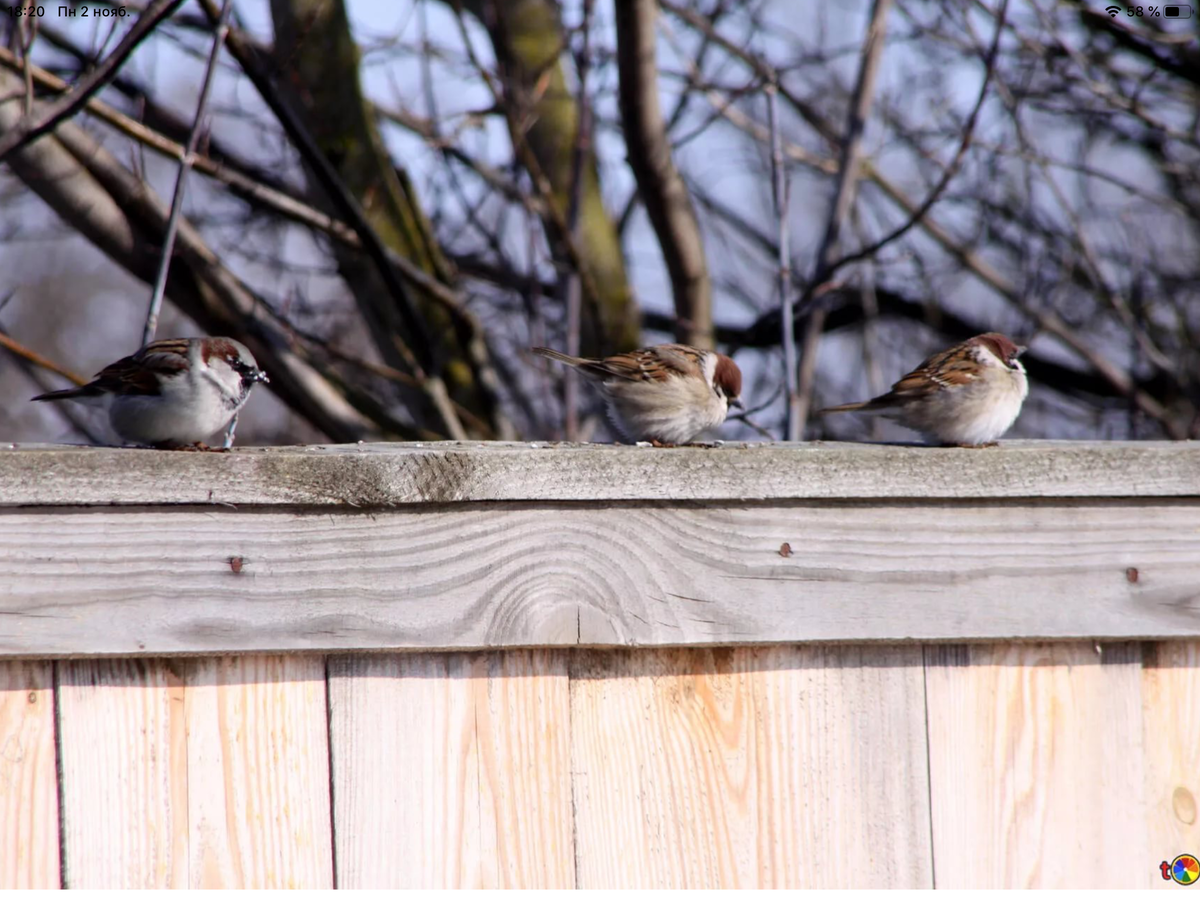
(666, 394)
(172, 393)
(967, 396)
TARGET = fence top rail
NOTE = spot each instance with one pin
(107, 552)
(370, 475)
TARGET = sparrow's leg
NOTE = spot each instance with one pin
(229, 433)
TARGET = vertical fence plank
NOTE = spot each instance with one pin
(258, 773)
(450, 770)
(524, 753)
(1171, 716)
(124, 771)
(28, 777)
(771, 767)
(1036, 766)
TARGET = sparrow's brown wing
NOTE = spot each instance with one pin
(139, 373)
(948, 369)
(652, 363)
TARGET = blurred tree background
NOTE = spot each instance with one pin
(393, 199)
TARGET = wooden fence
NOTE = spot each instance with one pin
(530, 665)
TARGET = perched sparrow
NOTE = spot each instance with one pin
(667, 394)
(172, 393)
(968, 395)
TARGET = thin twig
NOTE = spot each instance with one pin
(781, 189)
(30, 128)
(572, 289)
(32, 356)
(263, 196)
(870, 338)
(948, 174)
(553, 216)
(185, 166)
(1122, 382)
(848, 174)
(1079, 234)
(28, 27)
(257, 193)
(745, 418)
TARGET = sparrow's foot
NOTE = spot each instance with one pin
(977, 446)
(655, 442)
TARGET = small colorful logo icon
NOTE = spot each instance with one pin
(1183, 869)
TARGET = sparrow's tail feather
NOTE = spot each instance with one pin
(862, 406)
(593, 368)
(556, 356)
(76, 393)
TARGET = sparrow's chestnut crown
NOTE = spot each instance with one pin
(727, 377)
(238, 358)
(1004, 349)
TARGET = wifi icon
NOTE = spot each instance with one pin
(1112, 11)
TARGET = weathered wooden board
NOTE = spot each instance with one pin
(1171, 721)
(258, 773)
(750, 767)
(124, 774)
(1036, 767)
(450, 770)
(28, 779)
(197, 773)
(496, 575)
(374, 475)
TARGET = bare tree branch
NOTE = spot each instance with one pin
(780, 189)
(260, 195)
(659, 184)
(159, 117)
(86, 186)
(350, 210)
(28, 128)
(951, 170)
(540, 114)
(571, 287)
(185, 166)
(847, 186)
(16, 348)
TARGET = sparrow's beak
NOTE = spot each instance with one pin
(736, 403)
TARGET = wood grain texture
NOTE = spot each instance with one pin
(28, 778)
(496, 575)
(1171, 701)
(1036, 767)
(781, 767)
(258, 773)
(196, 773)
(124, 774)
(381, 475)
(451, 770)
